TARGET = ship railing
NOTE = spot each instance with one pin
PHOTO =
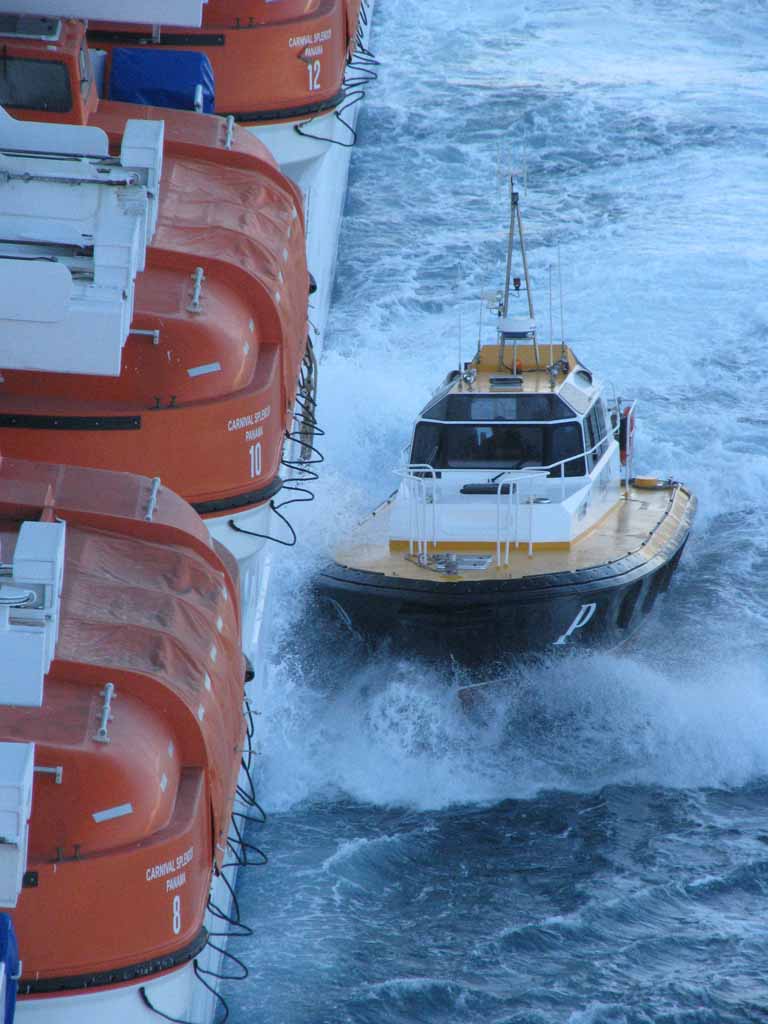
(420, 486)
(508, 511)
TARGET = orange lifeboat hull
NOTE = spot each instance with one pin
(207, 386)
(124, 840)
(270, 61)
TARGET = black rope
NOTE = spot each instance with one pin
(240, 848)
(150, 1006)
(300, 473)
(199, 972)
(362, 24)
(234, 926)
(357, 73)
(268, 536)
(183, 1020)
(225, 955)
(234, 920)
(248, 795)
(349, 101)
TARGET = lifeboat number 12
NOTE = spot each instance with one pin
(313, 69)
(254, 453)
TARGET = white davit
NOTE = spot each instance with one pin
(16, 772)
(30, 599)
(75, 224)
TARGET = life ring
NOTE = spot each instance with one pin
(626, 433)
(652, 483)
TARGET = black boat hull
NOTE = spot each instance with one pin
(477, 622)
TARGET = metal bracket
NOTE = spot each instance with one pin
(197, 285)
(58, 771)
(151, 503)
(230, 132)
(154, 335)
(108, 693)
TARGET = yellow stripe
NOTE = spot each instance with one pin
(480, 545)
(490, 545)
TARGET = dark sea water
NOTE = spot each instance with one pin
(588, 844)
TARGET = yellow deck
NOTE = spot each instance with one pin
(641, 522)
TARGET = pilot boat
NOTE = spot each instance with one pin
(121, 735)
(519, 525)
(157, 290)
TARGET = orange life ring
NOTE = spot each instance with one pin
(626, 433)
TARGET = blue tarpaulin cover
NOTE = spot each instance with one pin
(9, 955)
(161, 78)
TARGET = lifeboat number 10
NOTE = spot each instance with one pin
(313, 69)
(254, 454)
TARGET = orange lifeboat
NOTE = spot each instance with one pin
(208, 376)
(120, 734)
(270, 61)
(202, 391)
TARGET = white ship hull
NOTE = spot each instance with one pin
(321, 168)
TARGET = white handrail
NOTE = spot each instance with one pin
(630, 444)
(415, 477)
(513, 489)
(421, 490)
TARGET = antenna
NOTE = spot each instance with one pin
(551, 326)
(516, 218)
(513, 214)
(562, 319)
(460, 364)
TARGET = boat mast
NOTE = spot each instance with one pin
(510, 243)
(515, 218)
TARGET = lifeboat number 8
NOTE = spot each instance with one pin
(176, 914)
(313, 69)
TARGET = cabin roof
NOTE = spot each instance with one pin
(496, 374)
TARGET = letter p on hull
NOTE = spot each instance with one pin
(584, 615)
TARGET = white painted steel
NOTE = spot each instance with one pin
(318, 161)
(321, 170)
(16, 766)
(41, 137)
(174, 993)
(30, 601)
(74, 233)
(517, 326)
(252, 553)
(49, 283)
(558, 509)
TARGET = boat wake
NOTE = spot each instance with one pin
(398, 733)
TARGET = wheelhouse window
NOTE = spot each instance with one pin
(34, 84)
(500, 446)
(498, 407)
(596, 432)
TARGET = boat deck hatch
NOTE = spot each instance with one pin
(507, 382)
(449, 564)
